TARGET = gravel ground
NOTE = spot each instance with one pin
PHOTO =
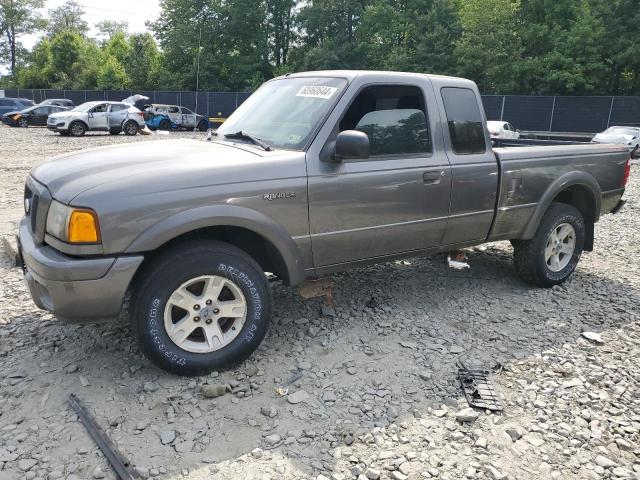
(377, 396)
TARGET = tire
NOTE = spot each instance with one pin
(130, 128)
(164, 125)
(77, 129)
(203, 125)
(23, 122)
(154, 313)
(531, 256)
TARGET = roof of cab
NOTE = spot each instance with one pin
(377, 74)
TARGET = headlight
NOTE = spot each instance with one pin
(73, 225)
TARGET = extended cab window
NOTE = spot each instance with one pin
(394, 118)
(464, 120)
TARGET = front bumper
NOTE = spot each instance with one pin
(75, 289)
(58, 127)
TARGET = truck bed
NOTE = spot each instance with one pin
(530, 173)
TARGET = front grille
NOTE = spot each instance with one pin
(39, 200)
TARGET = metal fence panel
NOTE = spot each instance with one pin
(493, 106)
(625, 111)
(581, 114)
(528, 113)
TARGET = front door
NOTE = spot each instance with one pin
(98, 117)
(39, 115)
(395, 201)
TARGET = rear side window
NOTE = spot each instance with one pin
(393, 117)
(464, 120)
(117, 107)
(7, 103)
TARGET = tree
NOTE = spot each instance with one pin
(108, 28)
(112, 76)
(67, 18)
(142, 60)
(18, 18)
(490, 47)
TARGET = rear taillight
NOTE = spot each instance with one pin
(627, 172)
(141, 114)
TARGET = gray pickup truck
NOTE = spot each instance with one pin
(315, 173)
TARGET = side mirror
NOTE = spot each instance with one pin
(350, 144)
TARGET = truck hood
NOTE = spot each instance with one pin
(148, 167)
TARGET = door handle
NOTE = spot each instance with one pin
(432, 178)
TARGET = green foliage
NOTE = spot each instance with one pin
(576, 47)
(67, 18)
(17, 18)
(108, 28)
(112, 75)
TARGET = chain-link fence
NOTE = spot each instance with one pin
(529, 113)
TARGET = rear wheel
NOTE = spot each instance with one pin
(552, 255)
(201, 306)
(77, 129)
(23, 122)
(130, 128)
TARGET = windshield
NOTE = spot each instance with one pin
(85, 107)
(284, 113)
(634, 132)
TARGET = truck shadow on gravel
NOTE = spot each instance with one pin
(390, 352)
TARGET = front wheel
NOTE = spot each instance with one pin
(552, 255)
(77, 129)
(200, 307)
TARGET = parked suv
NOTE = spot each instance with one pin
(112, 117)
(14, 104)
(168, 117)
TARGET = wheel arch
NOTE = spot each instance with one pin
(579, 189)
(265, 241)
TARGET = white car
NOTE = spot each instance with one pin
(629, 136)
(112, 117)
(502, 130)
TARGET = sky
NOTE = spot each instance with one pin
(136, 12)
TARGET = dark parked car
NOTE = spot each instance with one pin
(14, 104)
(61, 102)
(36, 115)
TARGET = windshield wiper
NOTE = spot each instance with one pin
(251, 138)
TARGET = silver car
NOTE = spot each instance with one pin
(629, 136)
(112, 117)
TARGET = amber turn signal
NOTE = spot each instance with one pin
(83, 227)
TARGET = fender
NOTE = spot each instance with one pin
(565, 181)
(218, 216)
